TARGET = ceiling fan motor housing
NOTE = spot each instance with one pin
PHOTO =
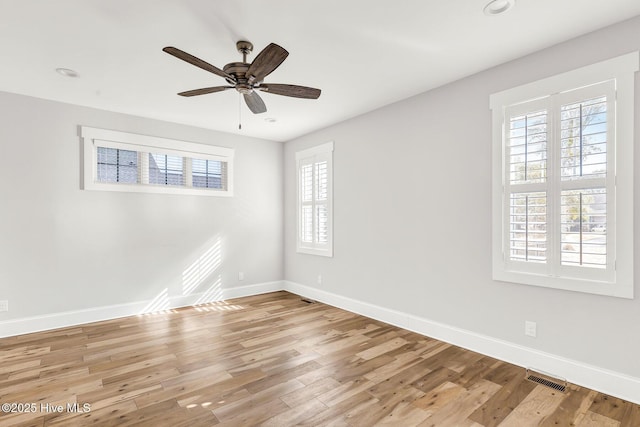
(239, 71)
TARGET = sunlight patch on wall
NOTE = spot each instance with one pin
(202, 268)
(213, 293)
(159, 304)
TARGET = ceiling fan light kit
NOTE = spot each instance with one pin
(247, 78)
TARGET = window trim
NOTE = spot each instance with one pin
(621, 69)
(315, 248)
(92, 138)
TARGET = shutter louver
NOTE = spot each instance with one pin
(321, 211)
(528, 148)
(306, 224)
(583, 228)
(528, 227)
(166, 169)
(527, 171)
(306, 183)
(208, 174)
(306, 198)
(583, 152)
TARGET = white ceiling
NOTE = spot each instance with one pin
(363, 54)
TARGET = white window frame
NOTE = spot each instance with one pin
(618, 279)
(305, 157)
(93, 138)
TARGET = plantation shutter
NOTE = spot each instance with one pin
(165, 169)
(121, 163)
(526, 137)
(320, 170)
(586, 129)
(314, 200)
(558, 184)
(306, 201)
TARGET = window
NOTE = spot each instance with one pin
(166, 170)
(315, 199)
(119, 161)
(563, 180)
(208, 173)
(116, 165)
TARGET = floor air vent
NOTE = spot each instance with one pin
(547, 380)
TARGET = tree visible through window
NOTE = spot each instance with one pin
(564, 161)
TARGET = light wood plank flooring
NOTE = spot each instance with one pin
(274, 360)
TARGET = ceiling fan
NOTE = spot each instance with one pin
(248, 78)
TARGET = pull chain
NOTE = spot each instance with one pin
(239, 112)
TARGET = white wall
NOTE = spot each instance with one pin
(63, 249)
(412, 213)
(412, 218)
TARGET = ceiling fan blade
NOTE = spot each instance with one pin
(266, 61)
(290, 90)
(196, 61)
(254, 102)
(205, 90)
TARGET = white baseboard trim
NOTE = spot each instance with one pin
(606, 381)
(65, 319)
(251, 290)
(600, 379)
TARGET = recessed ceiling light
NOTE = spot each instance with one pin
(270, 120)
(496, 7)
(67, 72)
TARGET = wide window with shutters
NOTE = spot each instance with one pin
(119, 161)
(562, 180)
(315, 220)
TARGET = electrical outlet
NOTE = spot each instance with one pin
(319, 279)
(4, 305)
(530, 328)
(241, 276)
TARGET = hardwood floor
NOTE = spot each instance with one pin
(274, 360)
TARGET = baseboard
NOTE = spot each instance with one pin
(251, 290)
(596, 378)
(47, 322)
(606, 381)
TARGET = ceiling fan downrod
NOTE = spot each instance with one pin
(245, 48)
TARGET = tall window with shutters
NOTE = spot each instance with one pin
(315, 212)
(562, 186)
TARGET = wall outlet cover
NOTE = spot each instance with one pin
(530, 328)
